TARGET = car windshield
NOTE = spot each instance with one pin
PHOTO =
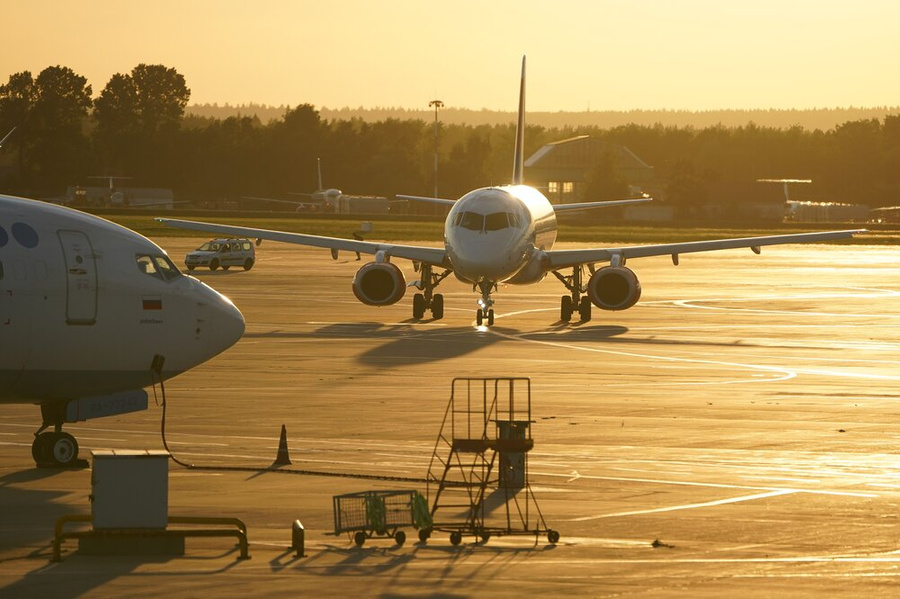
(209, 246)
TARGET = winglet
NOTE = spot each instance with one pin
(519, 160)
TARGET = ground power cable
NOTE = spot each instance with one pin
(162, 403)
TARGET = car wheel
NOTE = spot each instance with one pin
(248, 263)
(214, 265)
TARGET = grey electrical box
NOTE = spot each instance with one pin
(130, 488)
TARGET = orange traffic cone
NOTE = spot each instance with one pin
(283, 458)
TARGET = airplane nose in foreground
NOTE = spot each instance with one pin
(228, 325)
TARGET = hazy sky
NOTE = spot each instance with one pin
(597, 54)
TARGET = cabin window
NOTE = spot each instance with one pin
(25, 235)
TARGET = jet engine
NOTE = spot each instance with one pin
(379, 284)
(614, 288)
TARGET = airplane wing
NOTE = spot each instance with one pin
(585, 205)
(435, 256)
(443, 201)
(566, 258)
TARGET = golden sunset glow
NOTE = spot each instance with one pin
(602, 55)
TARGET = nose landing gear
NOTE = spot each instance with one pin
(485, 312)
(54, 449)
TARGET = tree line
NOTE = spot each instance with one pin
(137, 127)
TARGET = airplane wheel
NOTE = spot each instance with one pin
(584, 309)
(63, 448)
(437, 306)
(418, 306)
(479, 317)
(214, 265)
(490, 318)
(39, 448)
(565, 308)
(248, 263)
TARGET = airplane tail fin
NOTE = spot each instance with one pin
(519, 160)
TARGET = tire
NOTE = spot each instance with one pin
(455, 538)
(437, 306)
(248, 263)
(400, 537)
(490, 317)
(63, 449)
(584, 309)
(191, 268)
(39, 448)
(418, 306)
(565, 308)
(214, 265)
(424, 534)
(485, 537)
(226, 267)
(359, 538)
(479, 317)
(553, 536)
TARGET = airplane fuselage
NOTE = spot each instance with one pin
(498, 234)
(85, 305)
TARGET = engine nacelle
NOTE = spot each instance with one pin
(614, 288)
(379, 284)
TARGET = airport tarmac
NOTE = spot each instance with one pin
(744, 415)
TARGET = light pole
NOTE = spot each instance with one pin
(437, 104)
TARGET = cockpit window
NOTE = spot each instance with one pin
(159, 267)
(492, 222)
(472, 221)
(166, 268)
(496, 221)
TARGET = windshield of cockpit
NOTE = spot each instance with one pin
(494, 221)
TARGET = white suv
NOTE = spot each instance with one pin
(222, 252)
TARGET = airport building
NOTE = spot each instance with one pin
(562, 168)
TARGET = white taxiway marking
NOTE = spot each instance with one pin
(689, 506)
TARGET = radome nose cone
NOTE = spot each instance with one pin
(229, 325)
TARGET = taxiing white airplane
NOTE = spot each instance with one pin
(505, 234)
(90, 314)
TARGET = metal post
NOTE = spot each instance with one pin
(436, 104)
(298, 538)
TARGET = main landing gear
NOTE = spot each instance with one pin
(485, 313)
(429, 300)
(54, 449)
(576, 301)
